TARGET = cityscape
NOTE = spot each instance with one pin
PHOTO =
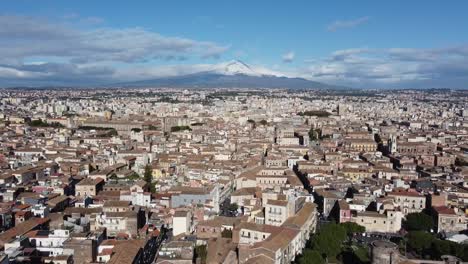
(125, 145)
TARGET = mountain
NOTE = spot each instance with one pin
(233, 74)
(235, 67)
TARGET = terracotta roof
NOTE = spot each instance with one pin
(125, 252)
(444, 210)
(298, 220)
(21, 229)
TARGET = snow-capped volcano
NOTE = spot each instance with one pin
(235, 67)
(235, 74)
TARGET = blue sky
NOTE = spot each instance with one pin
(358, 43)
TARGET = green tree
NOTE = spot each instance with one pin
(462, 252)
(420, 241)
(227, 233)
(148, 177)
(113, 176)
(418, 221)
(310, 257)
(441, 247)
(361, 255)
(233, 207)
(250, 121)
(200, 252)
(42, 123)
(317, 113)
(329, 240)
(353, 228)
(180, 128)
(315, 134)
(133, 176)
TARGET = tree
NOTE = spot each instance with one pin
(42, 123)
(440, 247)
(420, 241)
(180, 128)
(263, 122)
(353, 228)
(200, 252)
(361, 255)
(310, 257)
(317, 113)
(112, 132)
(133, 176)
(227, 233)
(148, 177)
(329, 240)
(314, 134)
(418, 221)
(113, 176)
(233, 207)
(252, 122)
(197, 124)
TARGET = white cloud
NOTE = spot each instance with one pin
(126, 45)
(40, 52)
(68, 50)
(289, 56)
(392, 67)
(342, 24)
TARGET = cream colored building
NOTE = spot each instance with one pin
(389, 222)
(277, 211)
(450, 220)
(409, 202)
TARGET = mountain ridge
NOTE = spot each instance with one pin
(232, 74)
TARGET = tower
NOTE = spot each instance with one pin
(384, 252)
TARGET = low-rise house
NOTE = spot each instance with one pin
(449, 220)
(182, 223)
(179, 252)
(48, 242)
(89, 187)
(58, 203)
